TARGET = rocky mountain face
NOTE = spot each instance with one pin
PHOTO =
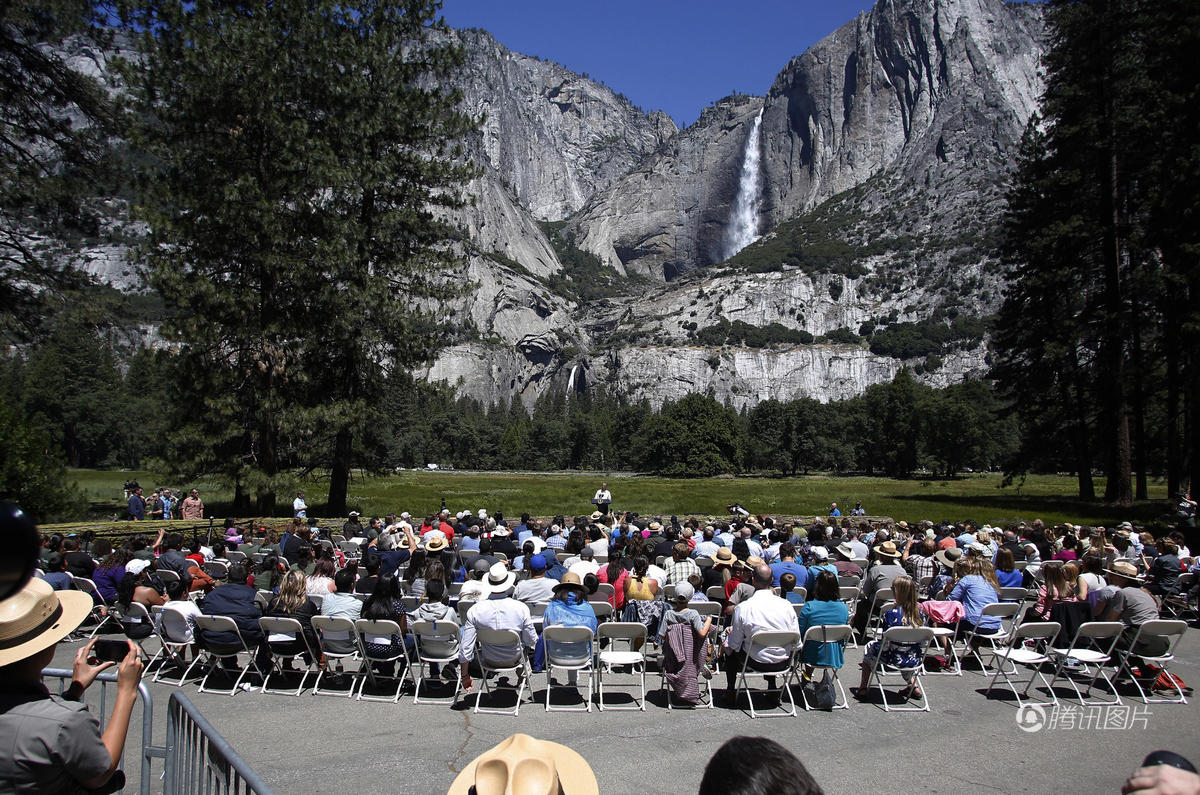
(884, 149)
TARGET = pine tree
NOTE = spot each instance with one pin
(303, 160)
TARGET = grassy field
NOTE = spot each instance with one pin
(978, 497)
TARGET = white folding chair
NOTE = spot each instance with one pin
(517, 666)
(1018, 652)
(633, 635)
(1007, 613)
(920, 637)
(606, 591)
(715, 593)
(849, 595)
(1092, 646)
(214, 653)
(381, 633)
(463, 606)
(437, 644)
(173, 629)
(1172, 631)
(136, 614)
(787, 640)
(574, 656)
(285, 630)
(603, 611)
(874, 623)
(100, 612)
(338, 640)
(823, 636)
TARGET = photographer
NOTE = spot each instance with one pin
(52, 743)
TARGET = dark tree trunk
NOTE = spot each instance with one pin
(339, 475)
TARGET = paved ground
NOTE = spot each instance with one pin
(967, 742)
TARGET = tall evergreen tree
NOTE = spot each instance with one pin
(303, 158)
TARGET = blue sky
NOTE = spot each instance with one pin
(663, 54)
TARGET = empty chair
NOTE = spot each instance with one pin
(827, 634)
(633, 635)
(216, 653)
(1012, 595)
(338, 640)
(759, 641)
(516, 665)
(569, 649)
(286, 641)
(1018, 652)
(1169, 633)
(910, 637)
(437, 644)
(874, 621)
(1092, 647)
(375, 635)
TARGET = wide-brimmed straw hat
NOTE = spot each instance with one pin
(523, 765)
(436, 544)
(948, 557)
(845, 550)
(499, 579)
(887, 550)
(1123, 568)
(596, 515)
(570, 580)
(37, 617)
(723, 555)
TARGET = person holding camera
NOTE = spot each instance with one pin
(53, 743)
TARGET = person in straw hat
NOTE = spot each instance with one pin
(523, 765)
(52, 743)
(1126, 600)
(567, 608)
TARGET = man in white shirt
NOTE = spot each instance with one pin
(299, 506)
(585, 564)
(603, 498)
(499, 611)
(764, 611)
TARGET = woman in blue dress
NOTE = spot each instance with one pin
(823, 608)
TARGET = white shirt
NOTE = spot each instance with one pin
(298, 506)
(763, 612)
(499, 613)
(657, 573)
(178, 620)
(603, 495)
(584, 568)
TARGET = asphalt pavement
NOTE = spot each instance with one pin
(967, 742)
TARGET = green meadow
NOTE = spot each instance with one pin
(980, 497)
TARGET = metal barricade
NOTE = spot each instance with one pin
(199, 759)
(97, 696)
(196, 757)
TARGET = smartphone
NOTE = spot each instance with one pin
(110, 650)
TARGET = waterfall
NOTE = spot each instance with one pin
(571, 380)
(743, 217)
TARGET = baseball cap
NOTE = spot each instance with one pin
(538, 563)
(684, 592)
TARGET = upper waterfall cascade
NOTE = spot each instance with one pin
(744, 217)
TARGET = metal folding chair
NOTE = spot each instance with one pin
(339, 631)
(167, 619)
(1018, 652)
(849, 595)
(100, 612)
(632, 634)
(437, 644)
(215, 653)
(285, 630)
(879, 600)
(908, 636)
(1007, 613)
(759, 641)
(1092, 646)
(825, 635)
(1173, 631)
(380, 632)
(603, 611)
(517, 666)
(573, 664)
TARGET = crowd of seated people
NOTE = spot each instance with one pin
(764, 575)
